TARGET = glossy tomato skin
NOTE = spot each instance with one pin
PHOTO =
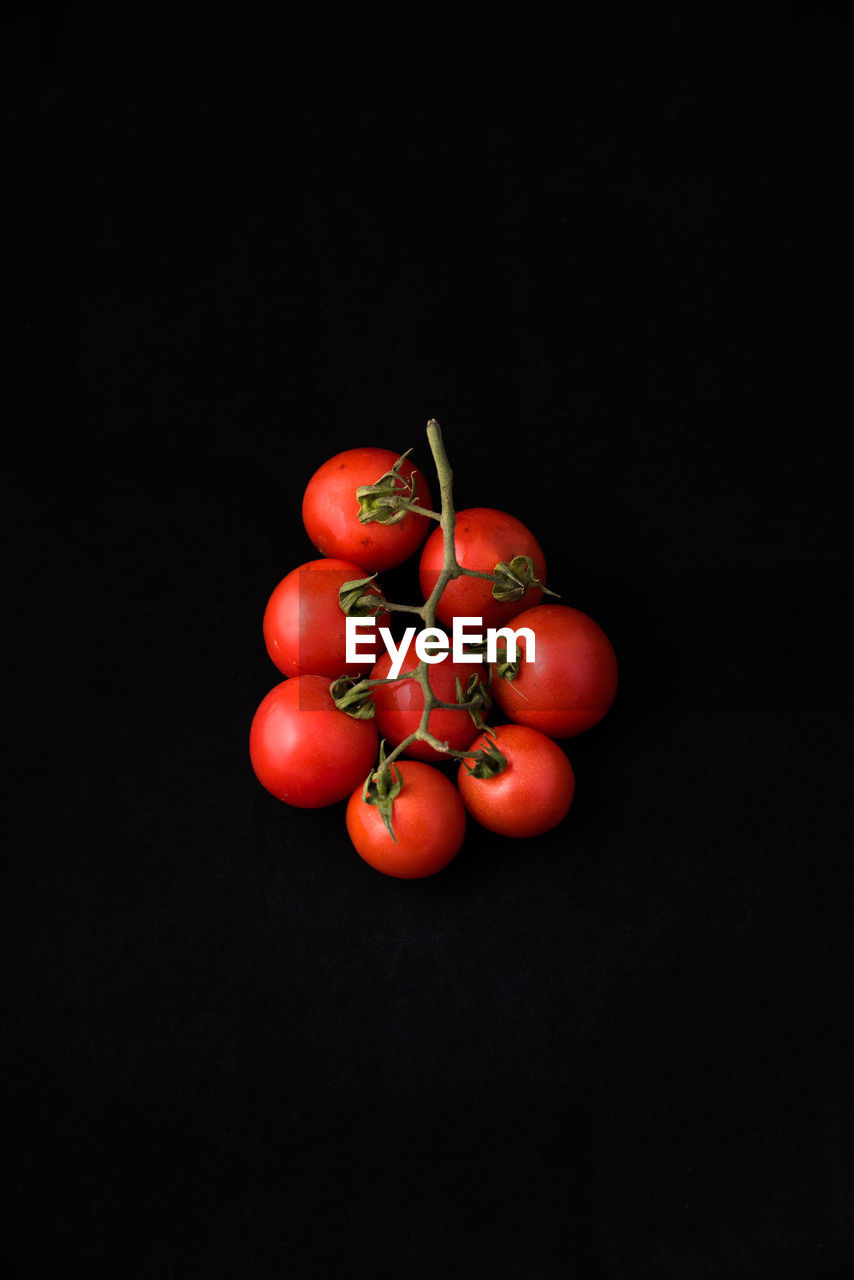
(483, 537)
(399, 705)
(304, 625)
(304, 750)
(534, 792)
(429, 825)
(330, 510)
(573, 680)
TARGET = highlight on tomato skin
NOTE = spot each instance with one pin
(429, 823)
(483, 538)
(330, 510)
(304, 626)
(304, 750)
(572, 682)
(399, 705)
(528, 798)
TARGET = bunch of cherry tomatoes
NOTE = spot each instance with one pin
(309, 753)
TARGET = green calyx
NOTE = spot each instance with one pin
(513, 578)
(382, 788)
(488, 762)
(353, 697)
(356, 602)
(503, 667)
(476, 699)
(384, 501)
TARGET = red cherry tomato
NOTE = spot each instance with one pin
(573, 679)
(482, 538)
(330, 510)
(304, 750)
(304, 625)
(429, 824)
(399, 705)
(532, 795)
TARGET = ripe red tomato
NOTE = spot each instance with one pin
(532, 795)
(304, 750)
(330, 510)
(429, 824)
(573, 679)
(399, 705)
(482, 538)
(304, 625)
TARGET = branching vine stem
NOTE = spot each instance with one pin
(451, 568)
(388, 500)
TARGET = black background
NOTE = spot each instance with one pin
(615, 266)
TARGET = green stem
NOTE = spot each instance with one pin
(451, 568)
(476, 573)
(421, 511)
(399, 750)
(374, 684)
(455, 706)
(403, 608)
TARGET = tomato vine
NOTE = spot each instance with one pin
(386, 501)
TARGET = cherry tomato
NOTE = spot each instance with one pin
(330, 510)
(304, 750)
(304, 625)
(573, 679)
(429, 824)
(399, 705)
(532, 795)
(483, 537)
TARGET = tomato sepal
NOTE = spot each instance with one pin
(488, 762)
(382, 787)
(476, 699)
(514, 578)
(350, 696)
(503, 667)
(381, 502)
(356, 602)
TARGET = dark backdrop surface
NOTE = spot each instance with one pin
(616, 269)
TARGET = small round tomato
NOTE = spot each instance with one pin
(400, 705)
(304, 625)
(573, 679)
(429, 824)
(483, 538)
(330, 510)
(304, 750)
(532, 795)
